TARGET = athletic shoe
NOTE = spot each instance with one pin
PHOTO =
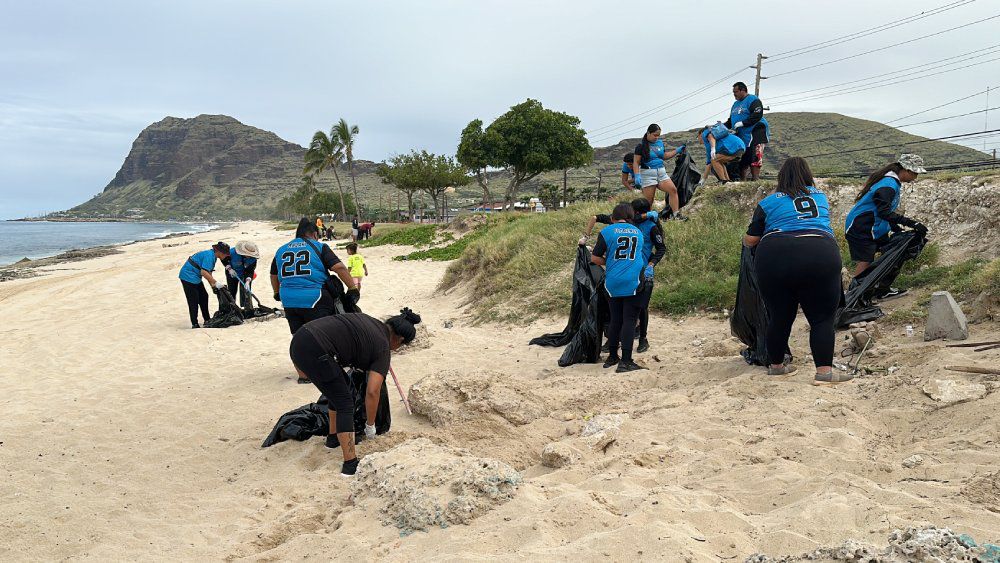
(626, 366)
(832, 378)
(303, 380)
(643, 345)
(892, 293)
(332, 442)
(612, 360)
(783, 370)
(349, 468)
(678, 217)
(196, 325)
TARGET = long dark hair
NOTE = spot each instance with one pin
(628, 158)
(877, 176)
(795, 178)
(306, 227)
(645, 141)
(622, 211)
(402, 325)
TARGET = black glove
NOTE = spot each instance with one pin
(277, 297)
(919, 227)
(353, 296)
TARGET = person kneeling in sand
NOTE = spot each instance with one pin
(324, 347)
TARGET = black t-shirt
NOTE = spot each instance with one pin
(356, 339)
(330, 259)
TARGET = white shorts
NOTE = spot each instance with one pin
(653, 176)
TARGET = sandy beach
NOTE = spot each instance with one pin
(128, 435)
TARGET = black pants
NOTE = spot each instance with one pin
(321, 368)
(298, 316)
(196, 297)
(234, 284)
(644, 313)
(624, 312)
(799, 270)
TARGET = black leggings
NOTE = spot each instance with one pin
(235, 287)
(644, 313)
(624, 312)
(196, 297)
(321, 368)
(799, 270)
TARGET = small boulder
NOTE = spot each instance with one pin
(950, 392)
(602, 430)
(913, 461)
(558, 454)
(945, 318)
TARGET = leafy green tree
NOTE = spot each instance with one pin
(549, 196)
(472, 154)
(345, 134)
(323, 202)
(399, 172)
(325, 151)
(423, 172)
(529, 140)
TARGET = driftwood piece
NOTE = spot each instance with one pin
(974, 369)
(972, 344)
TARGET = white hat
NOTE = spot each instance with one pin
(912, 162)
(247, 248)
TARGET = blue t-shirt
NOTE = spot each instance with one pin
(653, 159)
(302, 274)
(205, 261)
(866, 205)
(780, 212)
(241, 263)
(729, 145)
(646, 228)
(740, 112)
(621, 245)
(626, 169)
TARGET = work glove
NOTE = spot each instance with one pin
(582, 241)
(919, 227)
(369, 431)
(712, 155)
(653, 216)
(277, 297)
(353, 296)
(737, 125)
(247, 281)
(638, 182)
(220, 284)
(648, 272)
(231, 272)
(681, 149)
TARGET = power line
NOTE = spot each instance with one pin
(611, 135)
(947, 118)
(859, 34)
(989, 133)
(870, 51)
(939, 106)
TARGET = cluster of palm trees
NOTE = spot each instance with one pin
(330, 151)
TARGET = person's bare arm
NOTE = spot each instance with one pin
(637, 166)
(625, 182)
(599, 260)
(208, 277)
(366, 269)
(372, 394)
(275, 283)
(750, 240)
(344, 274)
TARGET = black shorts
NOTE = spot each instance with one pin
(297, 316)
(863, 249)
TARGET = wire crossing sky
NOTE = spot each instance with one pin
(82, 79)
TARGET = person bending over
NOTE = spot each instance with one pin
(746, 119)
(648, 169)
(874, 215)
(619, 250)
(323, 348)
(299, 275)
(797, 262)
(628, 175)
(721, 148)
(242, 265)
(198, 266)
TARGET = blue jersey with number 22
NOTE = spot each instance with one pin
(801, 213)
(625, 259)
(301, 272)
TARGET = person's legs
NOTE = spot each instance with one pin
(629, 313)
(310, 358)
(862, 250)
(191, 296)
(746, 160)
(231, 285)
(758, 160)
(203, 301)
(357, 282)
(615, 327)
(776, 274)
(719, 165)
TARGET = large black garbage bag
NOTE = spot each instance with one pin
(877, 279)
(748, 321)
(587, 315)
(383, 418)
(686, 177)
(229, 313)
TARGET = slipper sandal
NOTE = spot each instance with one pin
(832, 378)
(303, 380)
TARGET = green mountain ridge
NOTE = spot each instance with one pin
(215, 167)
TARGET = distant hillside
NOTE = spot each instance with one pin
(214, 167)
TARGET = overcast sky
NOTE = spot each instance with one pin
(80, 80)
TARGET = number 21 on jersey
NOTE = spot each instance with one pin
(626, 248)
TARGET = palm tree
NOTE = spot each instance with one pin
(345, 135)
(326, 151)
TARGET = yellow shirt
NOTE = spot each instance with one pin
(356, 264)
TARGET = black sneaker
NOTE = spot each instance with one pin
(627, 366)
(643, 345)
(332, 442)
(612, 360)
(303, 381)
(196, 325)
(605, 348)
(349, 468)
(678, 217)
(892, 293)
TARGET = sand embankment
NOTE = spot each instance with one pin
(126, 434)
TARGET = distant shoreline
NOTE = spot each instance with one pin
(106, 220)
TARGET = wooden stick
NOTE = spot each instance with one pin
(406, 402)
(985, 348)
(974, 369)
(972, 344)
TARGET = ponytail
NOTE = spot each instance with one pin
(306, 227)
(402, 325)
(877, 176)
(644, 154)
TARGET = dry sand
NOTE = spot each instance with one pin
(126, 435)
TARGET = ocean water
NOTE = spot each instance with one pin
(39, 239)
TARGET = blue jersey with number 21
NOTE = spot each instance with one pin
(301, 272)
(801, 213)
(625, 259)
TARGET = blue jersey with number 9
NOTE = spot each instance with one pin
(625, 259)
(800, 213)
(301, 273)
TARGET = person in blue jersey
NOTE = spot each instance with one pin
(746, 119)
(649, 171)
(198, 266)
(721, 148)
(797, 262)
(874, 214)
(653, 250)
(242, 265)
(619, 250)
(628, 175)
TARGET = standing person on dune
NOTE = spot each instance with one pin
(299, 275)
(649, 170)
(747, 121)
(198, 266)
(324, 347)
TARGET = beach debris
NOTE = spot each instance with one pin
(603, 430)
(913, 461)
(558, 454)
(449, 323)
(928, 544)
(950, 392)
(973, 344)
(945, 318)
(974, 369)
(420, 485)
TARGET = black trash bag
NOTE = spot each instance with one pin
(748, 322)
(686, 177)
(383, 418)
(878, 278)
(587, 315)
(229, 313)
(341, 304)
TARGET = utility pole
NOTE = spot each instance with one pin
(600, 175)
(565, 203)
(986, 119)
(756, 83)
